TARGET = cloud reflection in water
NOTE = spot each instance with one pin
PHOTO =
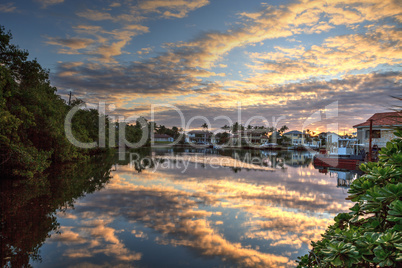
(251, 218)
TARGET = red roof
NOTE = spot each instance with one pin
(383, 119)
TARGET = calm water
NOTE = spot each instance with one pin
(173, 211)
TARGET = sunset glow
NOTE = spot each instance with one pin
(289, 59)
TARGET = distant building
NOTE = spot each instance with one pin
(323, 135)
(251, 137)
(332, 139)
(295, 136)
(199, 136)
(162, 138)
(382, 130)
(264, 139)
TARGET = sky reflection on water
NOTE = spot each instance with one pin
(203, 217)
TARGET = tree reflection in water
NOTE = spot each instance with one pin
(28, 207)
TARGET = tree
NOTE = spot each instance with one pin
(235, 127)
(224, 137)
(225, 127)
(283, 129)
(371, 234)
(205, 126)
(32, 116)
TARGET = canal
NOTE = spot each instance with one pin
(171, 208)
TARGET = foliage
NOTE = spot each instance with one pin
(223, 137)
(32, 116)
(370, 235)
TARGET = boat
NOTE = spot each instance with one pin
(347, 154)
(271, 146)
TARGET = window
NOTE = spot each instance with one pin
(376, 134)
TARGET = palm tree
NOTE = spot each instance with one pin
(283, 129)
(225, 127)
(205, 126)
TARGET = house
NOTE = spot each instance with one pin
(264, 139)
(250, 137)
(215, 139)
(162, 138)
(298, 159)
(382, 129)
(312, 141)
(295, 136)
(254, 136)
(332, 139)
(199, 136)
(332, 142)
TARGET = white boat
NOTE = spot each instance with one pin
(346, 147)
(268, 145)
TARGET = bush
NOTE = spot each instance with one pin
(370, 235)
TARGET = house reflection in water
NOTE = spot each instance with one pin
(344, 177)
(299, 159)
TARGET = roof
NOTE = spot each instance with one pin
(293, 132)
(383, 119)
(160, 136)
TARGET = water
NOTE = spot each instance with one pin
(172, 211)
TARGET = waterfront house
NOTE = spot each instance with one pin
(215, 139)
(332, 139)
(250, 137)
(264, 139)
(312, 141)
(295, 136)
(382, 129)
(162, 138)
(199, 137)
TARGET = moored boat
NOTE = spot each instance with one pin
(347, 154)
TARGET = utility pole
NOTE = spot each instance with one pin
(370, 138)
(69, 99)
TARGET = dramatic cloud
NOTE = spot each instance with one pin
(337, 55)
(104, 48)
(279, 60)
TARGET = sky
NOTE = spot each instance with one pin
(305, 64)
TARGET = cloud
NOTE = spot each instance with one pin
(271, 23)
(93, 237)
(72, 44)
(94, 15)
(116, 4)
(290, 81)
(171, 8)
(46, 3)
(8, 8)
(145, 10)
(104, 48)
(337, 55)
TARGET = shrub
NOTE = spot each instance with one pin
(370, 235)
